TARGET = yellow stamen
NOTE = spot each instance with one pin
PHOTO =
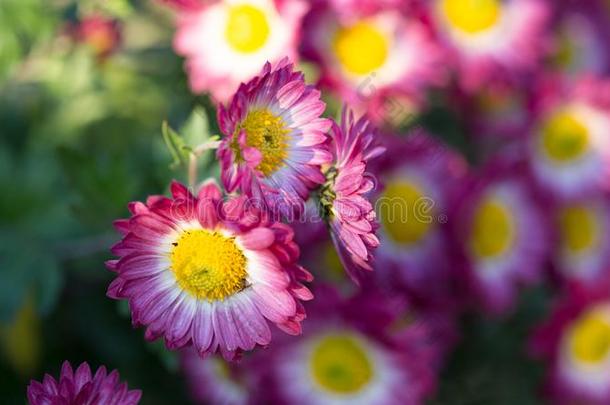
(340, 364)
(564, 137)
(401, 213)
(579, 228)
(589, 337)
(247, 28)
(567, 51)
(472, 16)
(268, 134)
(20, 340)
(333, 263)
(361, 48)
(208, 264)
(492, 229)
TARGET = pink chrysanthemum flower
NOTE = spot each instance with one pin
(418, 176)
(378, 58)
(209, 273)
(575, 341)
(582, 253)
(501, 233)
(80, 387)
(350, 215)
(102, 34)
(226, 42)
(498, 111)
(274, 140)
(350, 355)
(490, 39)
(569, 146)
(581, 40)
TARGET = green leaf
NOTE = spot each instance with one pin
(26, 265)
(114, 8)
(176, 146)
(47, 285)
(196, 129)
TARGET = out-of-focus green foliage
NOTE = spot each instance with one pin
(80, 136)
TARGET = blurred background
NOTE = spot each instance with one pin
(85, 86)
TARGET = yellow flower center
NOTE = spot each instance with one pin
(247, 28)
(20, 339)
(208, 264)
(493, 230)
(472, 16)
(589, 339)
(360, 48)
(403, 212)
(333, 263)
(579, 228)
(268, 134)
(564, 138)
(101, 41)
(566, 51)
(340, 364)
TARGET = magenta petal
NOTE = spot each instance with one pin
(258, 238)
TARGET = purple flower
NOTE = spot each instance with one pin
(81, 388)
(349, 213)
(204, 272)
(351, 353)
(275, 140)
(574, 341)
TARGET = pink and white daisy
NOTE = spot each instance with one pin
(418, 176)
(502, 234)
(214, 381)
(575, 341)
(582, 253)
(490, 39)
(569, 147)
(274, 143)
(226, 42)
(378, 58)
(348, 355)
(350, 215)
(80, 387)
(209, 273)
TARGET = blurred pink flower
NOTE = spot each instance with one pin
(492, 39)
(226, 42)
(102, 34)
(500, 234)
(582, 253)
(418, 175)
(351, 352)
(379, 59)
(569, 146)
(215, 381)
(575, 341)
(581, 39)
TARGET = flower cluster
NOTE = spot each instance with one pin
(405, 226)
(408, 215)
(212, 272)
